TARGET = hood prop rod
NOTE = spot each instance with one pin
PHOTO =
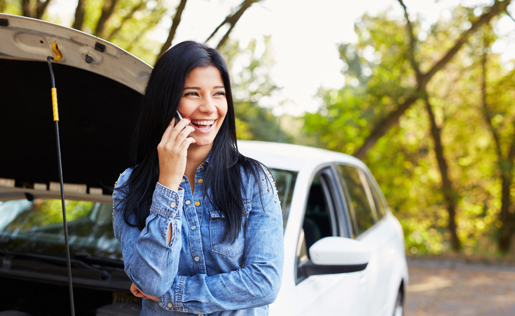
(56, 120)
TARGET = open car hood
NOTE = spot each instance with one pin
(99, 88)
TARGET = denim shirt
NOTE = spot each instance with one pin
(197, 272)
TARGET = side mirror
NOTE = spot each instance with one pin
(332, 255)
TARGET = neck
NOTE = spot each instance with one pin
(196, 156)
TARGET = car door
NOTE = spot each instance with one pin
(329, 294)
(368, 226)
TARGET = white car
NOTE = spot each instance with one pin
(344, 251)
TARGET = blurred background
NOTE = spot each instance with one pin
(422, 91)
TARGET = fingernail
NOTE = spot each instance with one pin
(188, 119)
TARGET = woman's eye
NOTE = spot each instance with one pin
(190, 93)
(220, 93)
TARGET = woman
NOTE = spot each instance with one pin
(199, 224)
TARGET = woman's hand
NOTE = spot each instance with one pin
(137, 292)
(172, 152)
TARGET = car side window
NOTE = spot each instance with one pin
(380, 209)
(361, 212)
(319, 220)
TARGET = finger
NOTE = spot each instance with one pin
(168, 132)
(177, 129)
(186, 143)
(134, 290)
(182, 136)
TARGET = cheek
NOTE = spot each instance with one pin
(222, 110)
(185, 109)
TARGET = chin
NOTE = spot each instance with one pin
(203, 142)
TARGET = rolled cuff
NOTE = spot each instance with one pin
(172, 299)
(167, 202)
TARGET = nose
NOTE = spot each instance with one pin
(208, 105)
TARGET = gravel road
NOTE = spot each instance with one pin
(439, 287)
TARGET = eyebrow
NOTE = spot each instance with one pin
(198, 88)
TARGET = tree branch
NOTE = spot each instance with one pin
(173, 29)
(384, 126)
(80, 11)
(412, 42)
(231, 19)
(107, 12)
(485, 18)
(217, 28)
(392, 119)
(125, 19)
(234, 19)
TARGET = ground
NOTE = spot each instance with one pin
(447, 287)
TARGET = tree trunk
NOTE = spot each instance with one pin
(41, 8)
(107, 12)
(447, 190)
(505, 165)
(392, 119)
(173, 29)
(507, 218)
(26, 8)
(80, 11)
(3, 4)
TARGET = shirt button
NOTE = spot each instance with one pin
(182, 181)
(173, 204)
(197, 203)
(170, 305)
(200, 180)
(196, 258)
(193, 227)
(201, 167)
(188, 202)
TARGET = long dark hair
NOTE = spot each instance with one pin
(223, 178)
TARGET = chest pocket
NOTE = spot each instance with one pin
(217, 231)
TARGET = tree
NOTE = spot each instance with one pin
(498, 116)
(423, 78)
(447, 188)
(442, 136)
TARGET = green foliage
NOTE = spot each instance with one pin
(378, 77)
(250, 69)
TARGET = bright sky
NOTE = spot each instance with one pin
(305, 35)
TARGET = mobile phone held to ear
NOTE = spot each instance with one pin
(177, 117)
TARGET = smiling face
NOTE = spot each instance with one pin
(204, 102)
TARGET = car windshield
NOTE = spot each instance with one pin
(35, 225)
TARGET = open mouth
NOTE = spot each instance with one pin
(203, 125)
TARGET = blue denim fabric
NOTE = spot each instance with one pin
(197, 272)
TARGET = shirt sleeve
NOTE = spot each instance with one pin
(150, 261)
(258, 282)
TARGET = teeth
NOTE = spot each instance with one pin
(204, 122)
